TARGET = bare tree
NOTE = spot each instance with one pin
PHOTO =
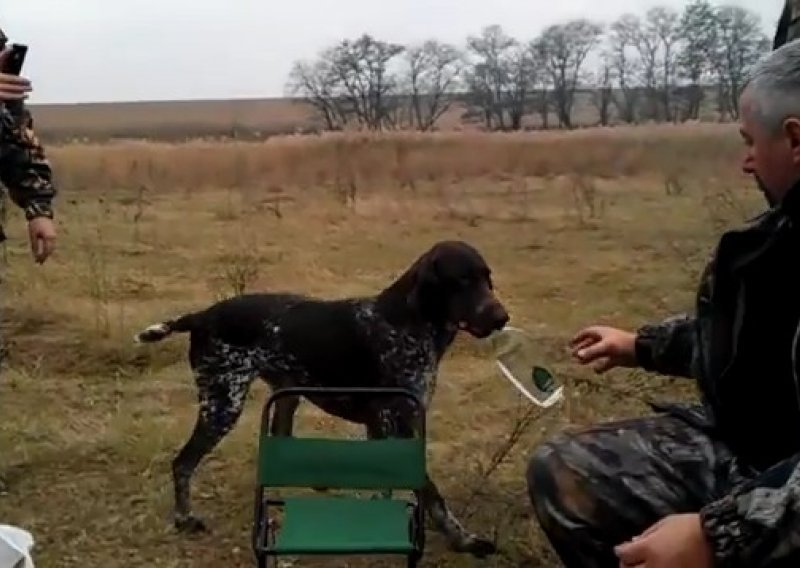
(740, 43)
(433, 70)
(489, 77)
(522, 79)
(350, 83)
(663, 25)
(603, 92)
(626, 66)
(361, 68)
(647, 48)
(698, 33)
(656, 67)
(318, 85)
(480, 93)
(541, 86)
(563, 48)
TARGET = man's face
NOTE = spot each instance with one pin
(772, 158)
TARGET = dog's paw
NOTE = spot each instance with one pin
(190, 525)
(477, 547)
(481, 548)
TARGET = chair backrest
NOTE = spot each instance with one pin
(391, 463)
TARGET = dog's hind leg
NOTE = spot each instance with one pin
(221, 397)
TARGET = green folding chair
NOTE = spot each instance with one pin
(346, 524)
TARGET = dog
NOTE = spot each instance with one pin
(395, 338)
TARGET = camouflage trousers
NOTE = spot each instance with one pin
(596, 488)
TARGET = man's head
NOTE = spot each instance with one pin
(770, 122)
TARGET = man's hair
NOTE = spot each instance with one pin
(773, 86)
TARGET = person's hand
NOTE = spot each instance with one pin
(606, 347)
(675, 540)
(12, 88)
(42, 234)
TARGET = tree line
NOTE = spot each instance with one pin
(664, 66)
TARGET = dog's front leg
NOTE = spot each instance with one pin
(445, 522)
(400, 424)
(283, 421)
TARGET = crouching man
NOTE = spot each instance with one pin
(718, 483)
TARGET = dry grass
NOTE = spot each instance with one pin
(579, 228)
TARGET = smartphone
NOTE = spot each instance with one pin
(13, 65)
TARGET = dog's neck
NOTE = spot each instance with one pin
(393, 306)
(403, 305)
(443, 338)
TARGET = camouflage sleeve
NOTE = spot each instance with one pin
(756, 524)
(667, 347)
(24, 167)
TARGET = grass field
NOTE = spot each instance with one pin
(607, 226)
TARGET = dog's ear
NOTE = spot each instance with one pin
(425, 280)
(414, 294)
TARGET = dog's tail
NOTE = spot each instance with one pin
(162, 330)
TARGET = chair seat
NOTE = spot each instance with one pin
(340, 525)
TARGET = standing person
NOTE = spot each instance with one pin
(718, 483)
(24, 168)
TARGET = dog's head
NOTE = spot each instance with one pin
(451, 286)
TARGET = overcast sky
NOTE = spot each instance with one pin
(107, 50)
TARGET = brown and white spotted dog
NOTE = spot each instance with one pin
(393, 339)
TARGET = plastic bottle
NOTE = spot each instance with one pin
(513, 351)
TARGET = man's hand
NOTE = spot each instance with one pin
(42, 234)
(607, 347)
(12, 88)
(675, 540)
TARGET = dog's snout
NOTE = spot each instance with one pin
(500, 316)
(496, 315)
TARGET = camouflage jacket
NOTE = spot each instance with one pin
(24, 168)
(741, 347)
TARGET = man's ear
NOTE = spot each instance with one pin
(792, 129)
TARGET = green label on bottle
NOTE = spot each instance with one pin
(543, 379)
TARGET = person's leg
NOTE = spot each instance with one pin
(599, 487)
